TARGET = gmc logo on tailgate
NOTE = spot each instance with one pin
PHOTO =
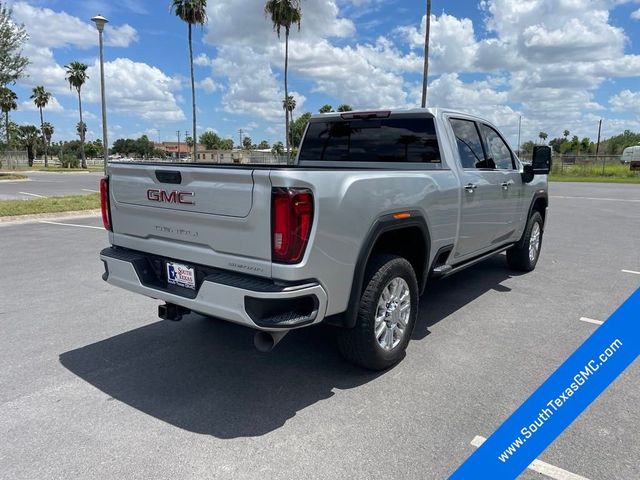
(162, 196)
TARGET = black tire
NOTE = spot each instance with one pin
(518, 256)
(359, 345)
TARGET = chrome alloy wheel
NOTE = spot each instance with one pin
(393, 313)
(534, 242)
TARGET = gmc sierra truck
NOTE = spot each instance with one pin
(377, 204)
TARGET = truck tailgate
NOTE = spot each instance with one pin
(212, 216)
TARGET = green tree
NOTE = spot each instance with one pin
(289, 105)
(566, 134)
(28, 138)
(41, 99)
(277, 149)
(527, 147)
(77, 76)
(192, 12)
(285, 14)
(159, 153)
(91, 150)
(247, 143)
(47, 130)
(12, 38)
(226, 144)
(8, 102)
(189, 142)
(326, 109)
(264, 145)
(210, 140)
(81, 130)
(345, 108)
(298, 127)
(543, 136)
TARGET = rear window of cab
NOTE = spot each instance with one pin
(390, 140)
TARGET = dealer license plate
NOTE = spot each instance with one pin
(181, 275)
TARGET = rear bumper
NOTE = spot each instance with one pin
(251, 301)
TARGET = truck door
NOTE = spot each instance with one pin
(511, 185)
(484, 217)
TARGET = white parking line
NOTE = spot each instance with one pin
(89, 190)
(70, 225)
(631, 272)
(538, 466)
(597, 198)
(591, 320)
(32, 194)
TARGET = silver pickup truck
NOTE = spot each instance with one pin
(376, 205)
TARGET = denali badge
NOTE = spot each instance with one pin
(183, 198)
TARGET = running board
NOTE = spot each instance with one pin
(443, 271)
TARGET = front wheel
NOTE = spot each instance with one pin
(524, 255)
(386, 315)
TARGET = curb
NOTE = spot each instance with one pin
(22, 219)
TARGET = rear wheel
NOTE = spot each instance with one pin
(524, 255)
(386, 315)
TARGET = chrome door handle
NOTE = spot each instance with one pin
(470, 188)
(505, 185)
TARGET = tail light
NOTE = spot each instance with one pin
(104, 203)
(291, 221)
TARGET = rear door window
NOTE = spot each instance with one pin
(409, 140)
(497, 149)
(470, 148)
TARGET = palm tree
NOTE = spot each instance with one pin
(326, 109)
(8, 102)
(284, 14)
(193, 12)
(81, 129)
(566, 134)
(289, 105)
(425, 76)
(47, 130)
(345, 108)
(77, 76)
(543, 136)
(41, 98)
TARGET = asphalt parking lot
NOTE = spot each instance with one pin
(49, 184)
(92, 385)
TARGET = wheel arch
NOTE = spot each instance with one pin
(539, 203)
(384, 237)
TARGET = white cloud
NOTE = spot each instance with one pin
(636, 14)
(135, 88)
(208, 85)
(132, 87)
(626, 101)
(52, 106)
(63, 29)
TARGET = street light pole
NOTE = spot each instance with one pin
(100, 22)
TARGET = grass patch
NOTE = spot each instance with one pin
(613, 173)
(10, 208)
(567, 178)
(40, 168)
(12, 176)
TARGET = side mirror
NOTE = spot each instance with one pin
(541, 162)
(527, 173)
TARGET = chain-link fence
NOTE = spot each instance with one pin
(589, 166)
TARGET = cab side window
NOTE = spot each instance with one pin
(497, 149)
(469, 144)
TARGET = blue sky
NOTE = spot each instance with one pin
(558, 63)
